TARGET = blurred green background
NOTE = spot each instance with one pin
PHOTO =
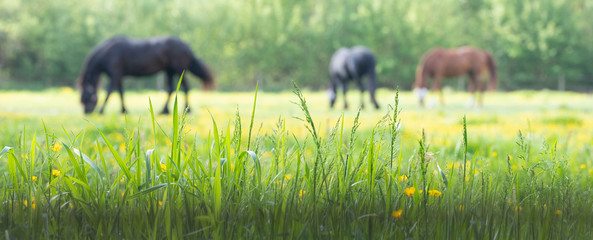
(538, 44)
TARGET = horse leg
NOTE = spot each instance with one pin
(109, 90)
(169, 91)
(471, 87)
(121, 94)
(344, 90)
(186, 90)
(331, 92)
(437, 87)
(372, 88)
(361, 88)
(481, 87)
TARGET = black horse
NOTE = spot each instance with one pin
(120, 56)
(347, 64)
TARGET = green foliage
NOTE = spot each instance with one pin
(537, 43)
(87, 183)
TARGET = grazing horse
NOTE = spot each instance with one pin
(120, 56)
(347, 64)
(441, 63)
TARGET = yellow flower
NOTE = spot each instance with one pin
(33, 206)
(34, 178)
(582, 166)
(409, 191)
(163, 167)
(160, 203)
(397, 213)
(403, 178)
(467, 179)
(287, 176)
(434, 193)
(558, 212)
(25, 203)
(56, 147)
(461, 207)
(302, 192)
(121, 180)
(55, 172)
(494, 154)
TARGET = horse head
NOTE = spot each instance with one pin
(88, 96)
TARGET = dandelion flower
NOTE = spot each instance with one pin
(434, 193)
(160, 203)
(34, 178)
(582, 166)
(121, 180)
(25, 203)
(55, 173)
(494, 154)
(403, 178)
(409, 191)
(56, 147)
(33, 206)
(287, 176)
(163, 167)
(397, 213)
(558, 212)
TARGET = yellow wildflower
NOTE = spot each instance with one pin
(434, 193)
(494, 154)
(160, 203)
(33, 206)
(121, 180)
(302, 192)
(582, 166)
(558, 212)
(55, 172)
(397, 213)
(287, 176)
(163, 167)
(34, 178)
(25, 203)
(461, 207)
(56, 147)
(403, 178)
(409, 191)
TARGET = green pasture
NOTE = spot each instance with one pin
(521, 166)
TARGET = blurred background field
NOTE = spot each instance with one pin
(546, 114)
(538, 44)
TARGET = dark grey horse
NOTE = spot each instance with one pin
(352, 64)
(120, 56)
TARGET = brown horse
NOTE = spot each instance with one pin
(441, 63)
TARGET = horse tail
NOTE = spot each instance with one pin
(492, 85)
(200, 69)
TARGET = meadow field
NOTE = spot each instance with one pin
(283, 165)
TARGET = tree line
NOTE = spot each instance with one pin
(538, 44)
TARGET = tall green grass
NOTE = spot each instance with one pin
(161, 183)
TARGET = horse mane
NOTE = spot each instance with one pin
(421, 68)
(92, 60)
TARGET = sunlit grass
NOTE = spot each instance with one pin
(523, 171)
